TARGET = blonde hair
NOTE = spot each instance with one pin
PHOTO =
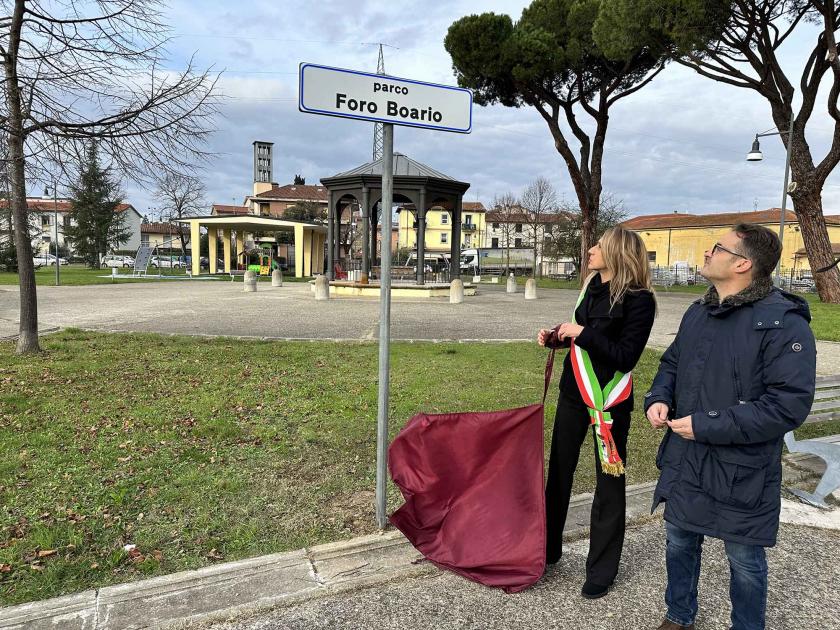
(625, 255)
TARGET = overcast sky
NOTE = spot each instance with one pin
(677, 145)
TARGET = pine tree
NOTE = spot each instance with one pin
(96, 223)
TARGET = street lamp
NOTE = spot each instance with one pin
(755, 156)
(55, 220)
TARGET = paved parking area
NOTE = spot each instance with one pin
(291, 312)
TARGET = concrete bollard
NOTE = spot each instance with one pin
(322, 288)
(250, 282)
(456, 291)
(511, 284)
(277, 278)
(530, 289)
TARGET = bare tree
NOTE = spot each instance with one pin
(564, 235)
(539, 200)
(506, 213)
(79, 70)
(179, 195)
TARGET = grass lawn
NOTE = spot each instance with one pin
(74, 275)
(199, 451)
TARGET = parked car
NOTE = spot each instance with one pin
(805, 285)
(165, 262)
(205, 263)
(44, 260)
(117, 261)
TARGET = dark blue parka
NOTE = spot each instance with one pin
(745, 374)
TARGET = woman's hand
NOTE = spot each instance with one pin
(569, 331)
(542, 336)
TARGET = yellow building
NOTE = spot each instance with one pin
(439, 228)
(683, 238)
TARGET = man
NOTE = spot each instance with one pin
(738, 376)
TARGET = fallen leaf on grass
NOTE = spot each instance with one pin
(46, 553)
(157, 554)
(214, 554)
(5, 568)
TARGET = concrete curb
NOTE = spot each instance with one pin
(247, 587)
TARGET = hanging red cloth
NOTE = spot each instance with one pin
(474, 492)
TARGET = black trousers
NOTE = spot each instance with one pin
(571, 424)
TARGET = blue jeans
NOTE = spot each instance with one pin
(747, 579)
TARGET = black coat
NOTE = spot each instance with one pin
(614, 337)
(745, 374)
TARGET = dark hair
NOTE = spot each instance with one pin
(761, 246)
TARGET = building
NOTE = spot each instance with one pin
(164, 235)
(681, 239)
(515, 230)
(275, 201)
(43, 212)
(439, 228)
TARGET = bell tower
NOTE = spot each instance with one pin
(263, 169)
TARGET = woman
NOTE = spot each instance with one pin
(612, 322)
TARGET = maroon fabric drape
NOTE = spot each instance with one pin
(474, 493)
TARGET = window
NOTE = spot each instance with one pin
(66, 220)
(517, 242)
(494, 243)
(444, 220)
(468, 240)
(495, 226)
(45, 220)
(444, 237)
(468, 219)
(144, 240)
(518, 228)
(652, 257)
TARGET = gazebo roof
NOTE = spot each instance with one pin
(403, 166)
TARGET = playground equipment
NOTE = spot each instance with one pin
(261, 261)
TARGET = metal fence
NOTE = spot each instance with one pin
(797, 280)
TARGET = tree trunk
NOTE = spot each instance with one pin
(588, 229)
(183, 239)
(534, 273)
(28, 337)
(809, 211)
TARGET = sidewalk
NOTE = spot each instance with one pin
(803, 579)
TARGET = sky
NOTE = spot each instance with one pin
(678, 145)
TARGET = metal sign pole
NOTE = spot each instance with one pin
(384, 326)
(55, 217)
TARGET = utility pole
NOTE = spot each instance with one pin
(379, 128)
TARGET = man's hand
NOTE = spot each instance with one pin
(657, 413)
(682, 427)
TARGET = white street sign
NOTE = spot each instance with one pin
(378, 98)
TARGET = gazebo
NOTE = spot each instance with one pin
(417, 188)
(308, 236)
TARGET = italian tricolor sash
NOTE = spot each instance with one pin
(599, 400)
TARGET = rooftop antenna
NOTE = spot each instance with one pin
(378, 132)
